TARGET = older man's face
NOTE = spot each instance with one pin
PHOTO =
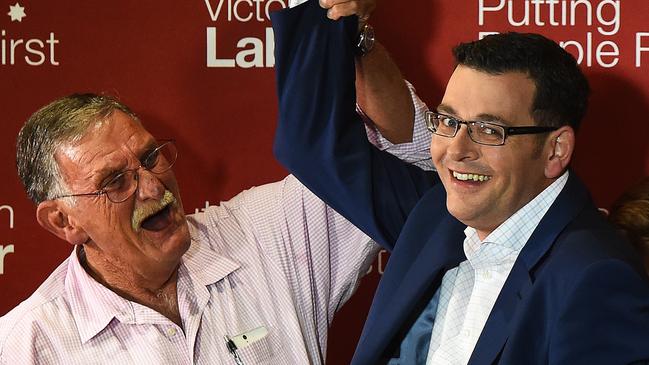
(115, 145)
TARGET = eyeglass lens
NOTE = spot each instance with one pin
(480, 132)
(125, 183)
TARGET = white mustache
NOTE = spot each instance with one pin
(143, 212)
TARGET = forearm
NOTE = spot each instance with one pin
(383, 95)
(417, 151)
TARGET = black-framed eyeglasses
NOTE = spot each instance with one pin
(122, 185)
(486, 133)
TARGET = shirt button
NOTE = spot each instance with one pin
(467, 333)
(486, 274)
(171, 331)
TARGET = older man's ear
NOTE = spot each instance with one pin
(52, 216)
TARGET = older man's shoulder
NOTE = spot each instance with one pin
(35, 312)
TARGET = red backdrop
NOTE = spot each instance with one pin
(200, 71)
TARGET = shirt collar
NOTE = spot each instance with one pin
(205, 265)
(94, 306)
(510, 236)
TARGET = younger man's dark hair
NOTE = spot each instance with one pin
(561, 88)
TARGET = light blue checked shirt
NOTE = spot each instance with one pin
(469, 291)
(461, 306)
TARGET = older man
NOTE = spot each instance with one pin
(518, 267)
(254, 280)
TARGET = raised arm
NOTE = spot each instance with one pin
(381, 92)
(383, 96)
(320, 137)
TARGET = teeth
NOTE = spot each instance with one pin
(474, 177)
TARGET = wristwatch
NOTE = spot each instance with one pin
(365, 41)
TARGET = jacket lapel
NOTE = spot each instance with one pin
(411, 272)
(572, 200)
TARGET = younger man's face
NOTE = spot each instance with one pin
(513, 174)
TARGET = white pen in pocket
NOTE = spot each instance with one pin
(247, 338)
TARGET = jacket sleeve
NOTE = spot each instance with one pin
(321, 139)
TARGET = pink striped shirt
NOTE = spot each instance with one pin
(249, 265)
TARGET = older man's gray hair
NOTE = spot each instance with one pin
(62, 122)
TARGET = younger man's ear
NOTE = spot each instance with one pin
(561, 145)
(53, 216)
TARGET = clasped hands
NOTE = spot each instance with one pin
(340, 8)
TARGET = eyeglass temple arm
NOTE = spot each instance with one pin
(529, 130)
(97, 193)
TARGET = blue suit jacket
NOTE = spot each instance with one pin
(576, 294)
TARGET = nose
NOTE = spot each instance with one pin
(461, 147)
(149, 185)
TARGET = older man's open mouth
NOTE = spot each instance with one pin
(156, 216)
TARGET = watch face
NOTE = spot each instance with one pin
(367, 39)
